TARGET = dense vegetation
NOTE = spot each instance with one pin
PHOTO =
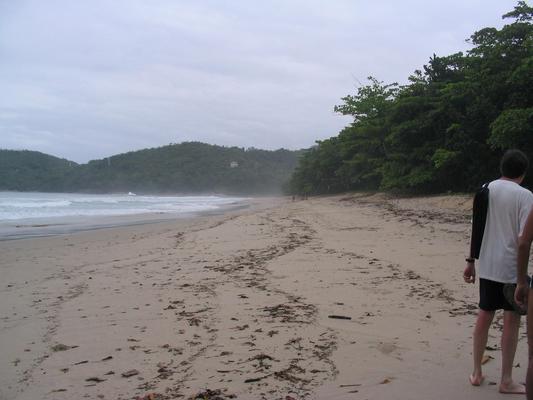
(443, 131)
(178, 168)
(32, 171)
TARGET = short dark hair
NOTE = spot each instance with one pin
(514, 164)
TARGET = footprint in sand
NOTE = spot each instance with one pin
(387, 348)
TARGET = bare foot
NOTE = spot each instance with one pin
(512, 388)
(477, 380)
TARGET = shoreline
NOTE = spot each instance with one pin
(340, 297)
(46, 227)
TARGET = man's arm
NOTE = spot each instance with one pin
(480, 207)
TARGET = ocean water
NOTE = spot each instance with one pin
(16, 206)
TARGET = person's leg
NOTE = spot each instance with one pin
(529, 375)
(511, 324)
(481, 333)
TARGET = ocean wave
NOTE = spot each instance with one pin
(35, 204)
(14, 206)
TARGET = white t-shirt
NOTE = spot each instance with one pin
(509, 206)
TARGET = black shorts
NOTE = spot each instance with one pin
(491, 296)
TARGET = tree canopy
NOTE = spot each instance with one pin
(32, 171)
(445, 130)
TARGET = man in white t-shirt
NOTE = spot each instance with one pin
(509, 206)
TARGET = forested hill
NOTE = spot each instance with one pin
(32, 170)
(190, 167)
(443, 131)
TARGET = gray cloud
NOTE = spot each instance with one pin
(85, 80)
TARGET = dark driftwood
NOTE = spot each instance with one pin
(339, 317)
(250, 380)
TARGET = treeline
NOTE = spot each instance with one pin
(185, 168)
(443, 131)
(32, 171)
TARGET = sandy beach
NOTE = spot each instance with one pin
(344, 297)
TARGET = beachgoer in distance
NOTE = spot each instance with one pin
(524, 295)
(509, 206)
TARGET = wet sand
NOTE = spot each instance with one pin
(344, 297)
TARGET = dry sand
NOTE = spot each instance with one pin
(239, 304)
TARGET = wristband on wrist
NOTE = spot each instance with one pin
(469, 259)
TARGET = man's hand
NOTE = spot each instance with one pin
(520, 294)
(469, 275)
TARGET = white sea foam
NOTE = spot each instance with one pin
(15, 206)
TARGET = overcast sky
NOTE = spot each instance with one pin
(88, 79)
